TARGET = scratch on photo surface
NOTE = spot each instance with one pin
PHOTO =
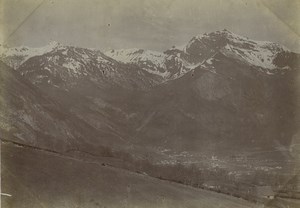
(24, 20)
(5, 194)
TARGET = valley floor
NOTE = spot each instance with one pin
(33, 178)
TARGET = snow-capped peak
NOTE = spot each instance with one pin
(167, 66)
(15, 56)
(135, 54)
(152, 61)
(256, 53)
(51, 45)
(24, 50)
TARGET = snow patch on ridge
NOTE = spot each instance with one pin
(22, 53)
(256, 53)
(151, 61)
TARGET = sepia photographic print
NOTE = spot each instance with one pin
(150, 103)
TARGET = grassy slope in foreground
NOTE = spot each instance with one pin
(40, 179)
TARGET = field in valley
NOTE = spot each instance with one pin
(39, 179)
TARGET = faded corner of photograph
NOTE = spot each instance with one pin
(150, 103)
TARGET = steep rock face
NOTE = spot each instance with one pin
(65, 66)
(222, 106)
(266, 56)
(30, 117)
(94, 87)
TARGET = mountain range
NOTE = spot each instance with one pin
(220, 94)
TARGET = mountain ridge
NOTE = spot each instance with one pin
(209, 98)
(173, 63)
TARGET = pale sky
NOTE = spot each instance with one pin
(147, 24)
